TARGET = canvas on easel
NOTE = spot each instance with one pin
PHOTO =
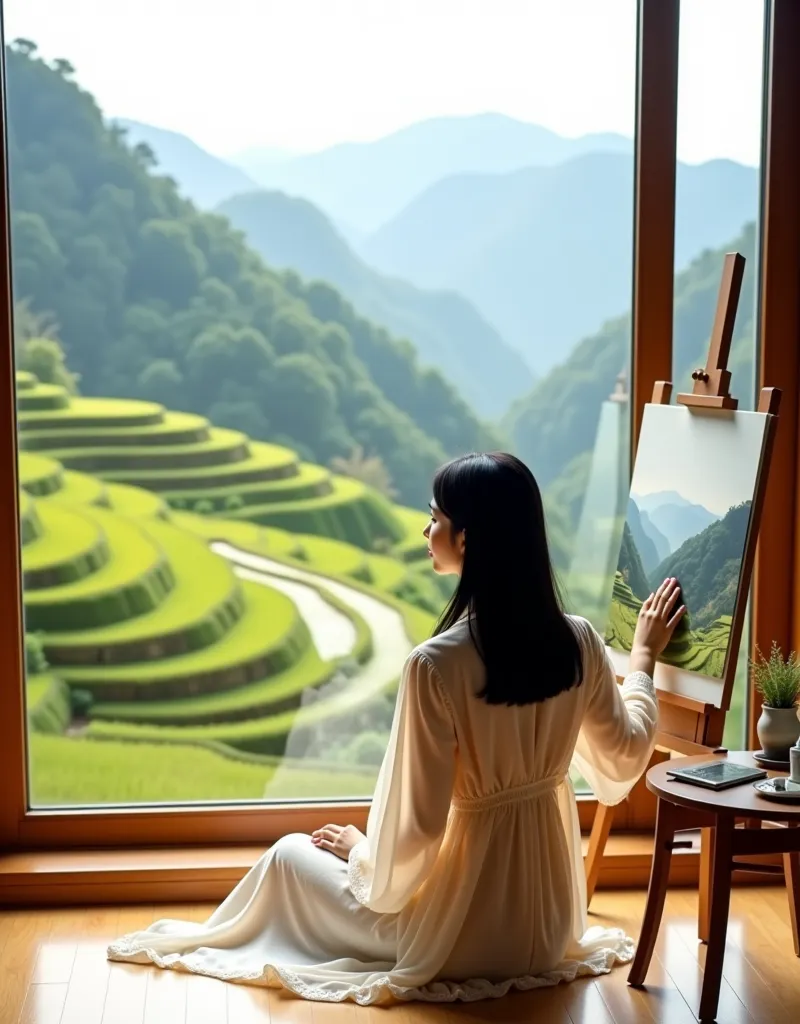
(697, 490)
(689, 514)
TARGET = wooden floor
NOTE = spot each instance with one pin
(53, 971)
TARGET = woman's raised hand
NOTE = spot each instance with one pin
(658, 618)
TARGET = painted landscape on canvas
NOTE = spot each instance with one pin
(688, 517)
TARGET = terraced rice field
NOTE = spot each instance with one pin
(195, 466)
(697, 650)
(187, 653)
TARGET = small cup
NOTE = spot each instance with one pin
(794, 764)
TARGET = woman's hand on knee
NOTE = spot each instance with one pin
(337, 839)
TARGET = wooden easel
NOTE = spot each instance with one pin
(687, 725)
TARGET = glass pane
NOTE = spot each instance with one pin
(254, 310)
(717, 211)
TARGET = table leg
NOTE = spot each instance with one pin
(704, 889)
(666, 819)
(791, 870)
(718, 918)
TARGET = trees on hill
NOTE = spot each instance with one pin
(156, 300)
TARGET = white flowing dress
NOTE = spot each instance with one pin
(470, 881)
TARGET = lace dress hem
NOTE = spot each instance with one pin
(600, 961)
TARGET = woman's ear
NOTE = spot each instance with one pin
(462, 542)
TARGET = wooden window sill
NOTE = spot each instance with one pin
(164, 875)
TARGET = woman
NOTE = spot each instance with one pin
(470, 879)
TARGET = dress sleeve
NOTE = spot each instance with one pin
(411, 803)
(618, 730)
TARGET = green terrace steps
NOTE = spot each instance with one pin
(309, 481)
(267, 638)
(209, 656)
(82, 490)
(204, 633)
(132, 501)
(352, 512)
(42, 397)
(70, 545)
(261, 462)
(95, 413)
(175, 428)
(29, 522)
(202, 606)
(48, 704)
(279, 690)
(133, 581)
(413, 547)
(222, 447)
(198, 467)
(40, 476)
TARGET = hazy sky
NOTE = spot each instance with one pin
(303, 74)
(708, 459)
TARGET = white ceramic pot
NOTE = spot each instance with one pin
(778, 729)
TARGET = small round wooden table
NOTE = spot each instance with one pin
(683, 805)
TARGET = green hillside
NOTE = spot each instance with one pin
(155, 300)
(445, 329)
(155, 643)
(201, 177)
(198, 467)
(558, 420)
(707, 566)
(630, 566)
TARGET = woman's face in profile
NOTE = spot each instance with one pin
(444, 549)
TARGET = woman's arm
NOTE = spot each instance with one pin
(409, 809)
(619, 726)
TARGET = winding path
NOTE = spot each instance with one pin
(390, 647)
(390, 642)
(332, 632)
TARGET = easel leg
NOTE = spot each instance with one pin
(791, 870)
(597, 845)
(707, 836)
(656, 891)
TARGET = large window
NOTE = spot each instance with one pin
(717, 210)
(272, 264)
(262, 289)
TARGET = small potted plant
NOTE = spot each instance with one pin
(777, 679)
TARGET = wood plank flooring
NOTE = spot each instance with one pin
(53, 971)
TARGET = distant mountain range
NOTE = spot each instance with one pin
(706, 564)
(652, 545)
(545, 252)
(668, 516)
(365, 184)
(541, 255)
(201, 177)
(446, 330)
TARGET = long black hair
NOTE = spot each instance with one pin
(507, 585)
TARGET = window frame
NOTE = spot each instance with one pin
(651, 360)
